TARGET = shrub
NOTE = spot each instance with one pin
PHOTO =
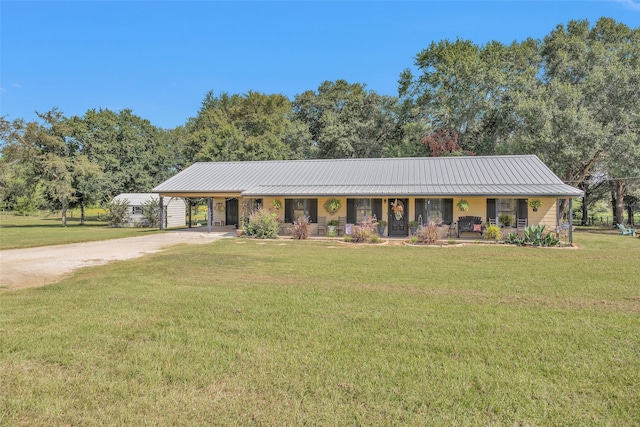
(534, 235)
(117, 213)
(151, 212)
(428, 234)
(301, 228)
(262, 224)
(492, 232)
(363, 232)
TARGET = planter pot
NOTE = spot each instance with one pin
(240, 232)
(413, 230)
(331, 231)
(381, 229)
(535, 209)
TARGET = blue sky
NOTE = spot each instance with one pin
(160, 58)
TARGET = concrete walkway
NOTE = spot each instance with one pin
(30, 267)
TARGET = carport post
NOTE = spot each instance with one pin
(161, 218)
(209, 213)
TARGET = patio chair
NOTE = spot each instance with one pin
(626, 231)
(322, 224)
(521, 223)
(342, 221)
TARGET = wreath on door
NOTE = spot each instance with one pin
(397, 208)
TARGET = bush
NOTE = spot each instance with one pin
(151, 212)
(492, 232)
(363, 232)
(428, 234)
(301, 228)
(533, 235)
(117, 213)
(263, 224)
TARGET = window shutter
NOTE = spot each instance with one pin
(376, 208)
(491, 208)
(288, 211)
(312, 205)
(351, 211)
(523, 209)
(447, 211)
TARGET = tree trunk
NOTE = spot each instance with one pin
(619, 212)
(81, 213)
(585, 202)
(64, 214)
(630, 214)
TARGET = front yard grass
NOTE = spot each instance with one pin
(244, 332)
(30, 231)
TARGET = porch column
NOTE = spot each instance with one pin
(209, 213)
(497, 211)
(189, 203)
(161, 214)
(571, 222)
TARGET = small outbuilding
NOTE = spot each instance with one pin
(174, 208)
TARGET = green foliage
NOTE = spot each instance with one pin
(263, 224)
(492, 232)
(333, 223)
(505, 219)
(345, 120)
(534, 235)
(249, 127)
(301, 228)
(151, 212)
(332, 205)
(117, 213)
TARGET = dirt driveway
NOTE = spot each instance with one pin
(30, 267)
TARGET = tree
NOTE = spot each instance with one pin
(133, 155)
(51, 156)
(250, 127)
(345, 120)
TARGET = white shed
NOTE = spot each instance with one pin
(174, 208)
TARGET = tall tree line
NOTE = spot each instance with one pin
(571, 98)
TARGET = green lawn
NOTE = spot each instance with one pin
(243, 332)
(30, 231)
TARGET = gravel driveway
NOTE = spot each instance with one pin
(30, 267)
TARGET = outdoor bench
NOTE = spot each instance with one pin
(471, 224)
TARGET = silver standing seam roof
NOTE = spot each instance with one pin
(416, 176)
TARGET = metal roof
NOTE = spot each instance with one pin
(139, 199)
(416, 176)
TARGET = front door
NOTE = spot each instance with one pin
(398, 220)
(232, 212)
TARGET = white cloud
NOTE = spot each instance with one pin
(16, 85)
(630, 4)
(2, 89)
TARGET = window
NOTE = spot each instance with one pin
(296, 208)
(438, 211)
(137, 210)
(360, 209)
(516, 208)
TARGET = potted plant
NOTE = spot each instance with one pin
(277, 204)
(382, 224)
(331, 228)
(413, 226)
(332, 205)
(535, 204)
(463, 205)
(505, 220)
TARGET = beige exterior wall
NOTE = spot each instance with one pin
(546, 214)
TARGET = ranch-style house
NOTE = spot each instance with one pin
(454, 192)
